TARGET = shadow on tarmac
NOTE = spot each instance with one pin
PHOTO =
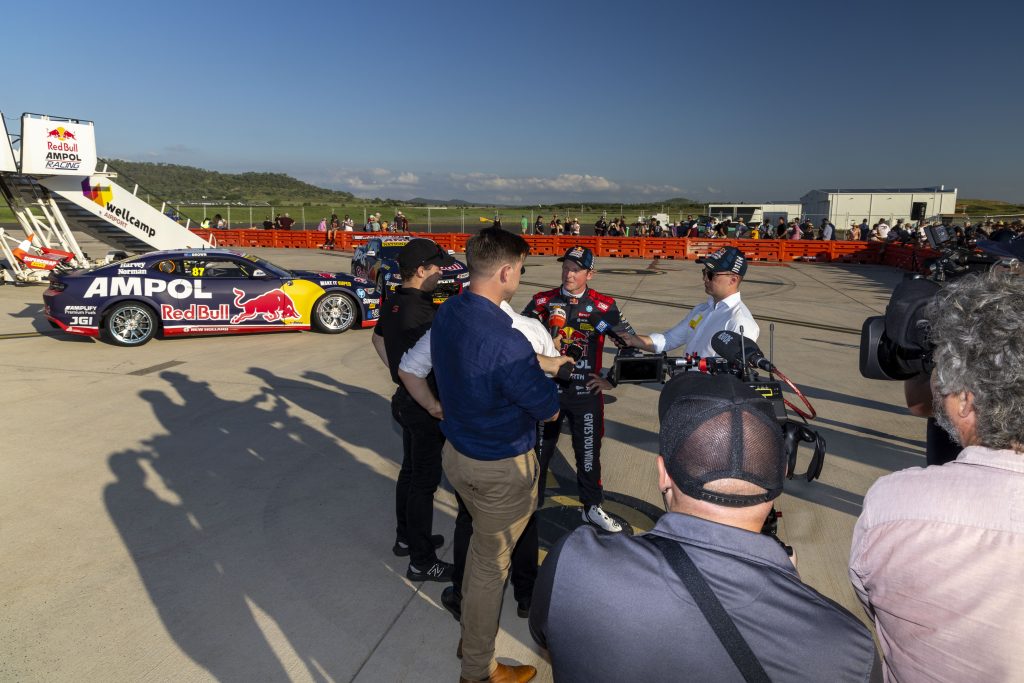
(252, 531)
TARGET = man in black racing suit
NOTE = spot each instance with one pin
(576, 314)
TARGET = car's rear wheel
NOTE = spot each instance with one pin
(334, 313)
(130, 323)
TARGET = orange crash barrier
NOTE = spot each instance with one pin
(842, 251)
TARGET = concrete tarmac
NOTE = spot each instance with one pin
(222, 508)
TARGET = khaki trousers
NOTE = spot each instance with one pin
(500, 495)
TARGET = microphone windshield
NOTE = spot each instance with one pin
(727, 345)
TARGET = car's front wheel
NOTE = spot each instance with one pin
(334, 313)
(130, 323)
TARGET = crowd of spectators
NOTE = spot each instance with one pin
(708, 227)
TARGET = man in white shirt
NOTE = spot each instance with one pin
(723, 272)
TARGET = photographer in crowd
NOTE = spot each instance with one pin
(704, 586)
(937, 557)
(723, 273)
(493, 393)
(576, 314)
(406, 317)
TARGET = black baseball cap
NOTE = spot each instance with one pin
(715, 427)
(581, 256)
(727, 260)
(423, 252)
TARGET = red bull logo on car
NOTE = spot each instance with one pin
(195, 312)
(273, 306)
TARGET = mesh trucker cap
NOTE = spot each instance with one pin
(727, 260)
(714, 427)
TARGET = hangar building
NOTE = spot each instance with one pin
(755, 213)
(843, 207)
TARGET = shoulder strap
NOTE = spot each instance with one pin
(710, 606)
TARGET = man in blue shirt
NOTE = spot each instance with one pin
(492, 392)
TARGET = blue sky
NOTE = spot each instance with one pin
(539, 102)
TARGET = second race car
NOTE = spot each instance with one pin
(214, 291)
(377, 261)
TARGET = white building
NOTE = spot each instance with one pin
(755, 213)
(843, 207)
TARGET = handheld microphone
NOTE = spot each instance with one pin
(556, 320)
(602, 327)
(738, 348)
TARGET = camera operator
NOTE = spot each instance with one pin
(940, 447)
(723, 273)
(937, 558)
(721, 463)
(572, 313)
(407, 315)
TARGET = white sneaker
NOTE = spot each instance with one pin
(593, 514)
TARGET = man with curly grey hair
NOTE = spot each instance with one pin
(938, 553)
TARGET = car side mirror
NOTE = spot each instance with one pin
(371, 253)
(260, 275)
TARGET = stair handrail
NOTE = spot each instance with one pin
(108, 167)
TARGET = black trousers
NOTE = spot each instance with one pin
(586, 424)
(418, 478)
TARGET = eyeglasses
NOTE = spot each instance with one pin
(522, 270)
(710, 275)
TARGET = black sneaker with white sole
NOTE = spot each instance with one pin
(438, 571)
(401, 548)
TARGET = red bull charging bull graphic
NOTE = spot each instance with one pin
(273, 306)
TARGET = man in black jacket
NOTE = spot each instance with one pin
(407, 314)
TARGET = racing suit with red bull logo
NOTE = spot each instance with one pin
(581, 319)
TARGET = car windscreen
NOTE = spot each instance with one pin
(390, 250)
(277, 271)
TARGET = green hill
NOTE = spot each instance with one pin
(187, 183)
(988, 207)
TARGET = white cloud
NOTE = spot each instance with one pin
(711, 190)
(663, 191)
(564, 182)
(375, 180)
(491, 187)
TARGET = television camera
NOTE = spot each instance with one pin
(895, 346)
(738, 356)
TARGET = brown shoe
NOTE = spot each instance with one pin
(509, 674)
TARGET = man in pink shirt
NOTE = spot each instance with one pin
(938, 552)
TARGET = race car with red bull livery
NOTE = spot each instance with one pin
(377, 261)
(214, 291)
